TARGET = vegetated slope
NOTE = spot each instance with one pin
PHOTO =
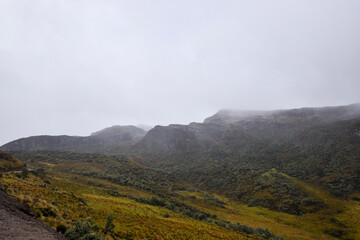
(114, 139)
(145, 203)
(230, 152)
(18, 222)
(10, 163)
(150, 204)
(280, 160)
(119, 169)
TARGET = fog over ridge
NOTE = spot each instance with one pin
(75, 67)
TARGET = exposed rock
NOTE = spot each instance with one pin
(18, 222)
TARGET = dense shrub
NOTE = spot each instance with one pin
(61, 228)
(157, 201)
(40, 172)
(83, 231)
(25, 173)
(47, 212)
(109, 226)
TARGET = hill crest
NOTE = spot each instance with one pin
(227, 116)
(109, 140)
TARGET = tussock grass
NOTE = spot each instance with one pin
(61, 198)
(72, 198)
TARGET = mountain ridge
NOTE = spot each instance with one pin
(333, 112)
(108, 140)
(320, 146)
(300, 162)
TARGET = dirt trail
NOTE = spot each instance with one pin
(17, 222)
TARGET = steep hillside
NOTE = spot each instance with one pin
(109, 140)
(178, 138)
(289, 161)
(18, 222)
(65, 187)
(230, 154)
(10, 163)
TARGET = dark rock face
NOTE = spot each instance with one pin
(173, 138)
(317, 145)
(18, 222)
(231, 131)
(109, 140)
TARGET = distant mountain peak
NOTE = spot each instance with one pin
(117, 129)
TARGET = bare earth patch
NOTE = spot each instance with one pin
(17, 222)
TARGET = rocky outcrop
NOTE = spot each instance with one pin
(179, 138)
(173, 138)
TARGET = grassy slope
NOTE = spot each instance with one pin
(72, 197)
(133, 220)
(9, 163)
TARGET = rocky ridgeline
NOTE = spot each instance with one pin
(231, 149)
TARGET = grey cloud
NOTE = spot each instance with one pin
(74, 67)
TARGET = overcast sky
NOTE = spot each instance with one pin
(75, 67)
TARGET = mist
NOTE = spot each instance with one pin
(75, 67)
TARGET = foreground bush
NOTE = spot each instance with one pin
(83, 231)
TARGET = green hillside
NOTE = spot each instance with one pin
(67, 187)
(318, 146)
(74, 186)
(9, 163)
(243, 175)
